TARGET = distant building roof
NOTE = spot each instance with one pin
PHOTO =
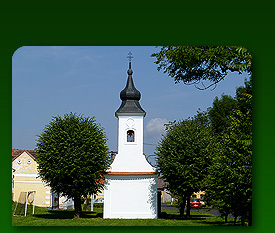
(17, 152)
(162, 183)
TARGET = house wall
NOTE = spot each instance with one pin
(100, 194)
(199, 194)
(25, 178)
(165, 196)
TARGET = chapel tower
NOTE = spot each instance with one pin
(131, 182)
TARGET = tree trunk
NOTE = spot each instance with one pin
(77, 206)
(242, 220)
(225, 218)
(182, 206)
(188, 206)
(235, 220)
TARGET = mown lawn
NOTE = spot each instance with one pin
(46, 217)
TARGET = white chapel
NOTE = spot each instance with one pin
(131, 182)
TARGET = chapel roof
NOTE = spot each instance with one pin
(130, 97)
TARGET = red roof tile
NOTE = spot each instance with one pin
(17, 152)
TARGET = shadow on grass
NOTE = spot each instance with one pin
(221, 223)
(206, 219)
(68, 214)
(164, 215)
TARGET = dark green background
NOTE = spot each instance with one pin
(232, 23)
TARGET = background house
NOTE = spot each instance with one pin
(165, 196)
(25, 178)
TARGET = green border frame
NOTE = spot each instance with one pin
(249, 26)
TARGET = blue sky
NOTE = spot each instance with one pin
(53, 80)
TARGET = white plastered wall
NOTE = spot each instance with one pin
(131, 196)
(130, 157)
(126, 195)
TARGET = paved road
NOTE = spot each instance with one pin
(210, 211)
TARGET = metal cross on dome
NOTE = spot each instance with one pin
(130, 57)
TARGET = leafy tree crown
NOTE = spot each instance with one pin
(204, 65)
(72, 155)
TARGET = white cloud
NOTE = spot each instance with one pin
(155, 127)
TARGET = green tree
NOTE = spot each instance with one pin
(183, 156)
(244, 96)
(72, 156)
(205, 65)
(220, 113)
(230, 179)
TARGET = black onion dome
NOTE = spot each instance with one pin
(130, 97)
(130, 92)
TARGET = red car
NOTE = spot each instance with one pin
(195, 203)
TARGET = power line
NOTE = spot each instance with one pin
(150, 144)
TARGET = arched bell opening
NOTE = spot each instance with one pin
(130, 136)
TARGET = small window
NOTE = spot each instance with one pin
(130, 136)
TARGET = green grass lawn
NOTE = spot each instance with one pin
(46, 217)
